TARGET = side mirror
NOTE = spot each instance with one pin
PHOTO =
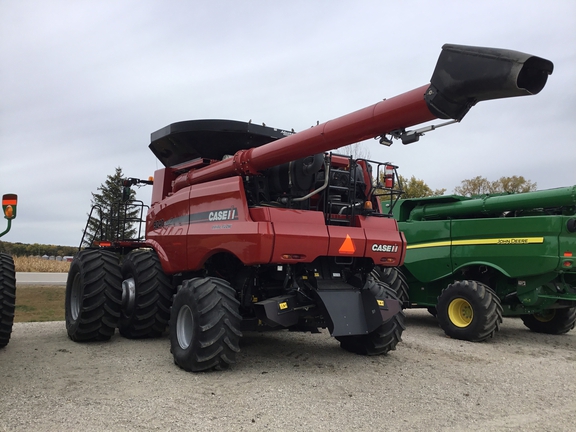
(9, 202)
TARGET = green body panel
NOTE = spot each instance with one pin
(428, 254)
(520, 247)
(523, 249)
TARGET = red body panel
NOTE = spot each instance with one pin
(346, 241)
(166, 229)
(162, 185)
(296, 232)
(197, 222)
(220, 222)
(383, 232)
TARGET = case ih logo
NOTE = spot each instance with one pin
(215, 216)
(221, 215)
(384, 248)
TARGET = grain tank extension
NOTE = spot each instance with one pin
(252, 227)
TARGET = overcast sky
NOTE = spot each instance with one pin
(83, 84)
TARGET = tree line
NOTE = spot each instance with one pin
(36, 249)
(417, 188)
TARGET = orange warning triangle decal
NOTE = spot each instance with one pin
(347, 246)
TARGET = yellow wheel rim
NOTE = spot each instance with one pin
(545, 316)
(460, 312)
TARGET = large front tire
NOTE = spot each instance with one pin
(394, 277)
(7, 298)
(93, 296)
(469, 310)
(384, 338)
(146, 296)
(205, 325)
(551, 321)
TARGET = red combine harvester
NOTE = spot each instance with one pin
(252, 227)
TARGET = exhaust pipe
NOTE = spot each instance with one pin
(466, 75)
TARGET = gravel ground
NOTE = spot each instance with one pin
(518, 381)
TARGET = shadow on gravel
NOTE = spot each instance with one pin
(267, 352)
(420, 318)
(282, 343)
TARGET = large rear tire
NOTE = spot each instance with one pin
(469, 310)
(205, 325)
(93, 296)
(384, 338)
(7, 297)
(146, 296)
(551, 321)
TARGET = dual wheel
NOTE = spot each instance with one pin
(101, 295)
(93, 296)
(137, 296)
(7, 297)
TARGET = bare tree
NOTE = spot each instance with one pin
(480, 185)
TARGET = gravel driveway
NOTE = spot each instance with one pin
(518, 381)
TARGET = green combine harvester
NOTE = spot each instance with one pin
(472, 261)
(7, 276)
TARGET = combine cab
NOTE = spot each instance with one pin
(252, 227)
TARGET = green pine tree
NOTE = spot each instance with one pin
(114, 215)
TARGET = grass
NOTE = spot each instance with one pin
(34, 264)
(39, 303)
(36, 303)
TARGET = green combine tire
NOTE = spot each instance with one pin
(469, 310)
(551, 321)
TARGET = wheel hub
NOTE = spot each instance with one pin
(460, 312)
(545, 316)
(184, 327)
(128, 295)
(76, 297)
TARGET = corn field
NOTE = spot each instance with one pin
(35, 264)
